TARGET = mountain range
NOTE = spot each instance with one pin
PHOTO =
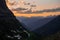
(42, 26)
(51, 27)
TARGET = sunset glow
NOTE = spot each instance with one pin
(40, 5)
(38, 14)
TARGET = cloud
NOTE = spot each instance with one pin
(48, 10)
(26, 3)
(40, 11)
(19, 9)
(33, 5)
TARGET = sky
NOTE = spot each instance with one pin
(40, 5)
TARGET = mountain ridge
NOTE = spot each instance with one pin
(49, 28)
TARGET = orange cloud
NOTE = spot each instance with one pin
(35, 15)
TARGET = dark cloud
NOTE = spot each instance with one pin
(40, 11)
(26, 3)
(52, 10)
(33, 5)
(48, 10)
(19, 9)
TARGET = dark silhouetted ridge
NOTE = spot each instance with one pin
(10, 27)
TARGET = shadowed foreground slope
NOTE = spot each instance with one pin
(10, 27)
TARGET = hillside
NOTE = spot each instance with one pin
(51, 27)
(10, 27)
(35, 22)
(49, 31)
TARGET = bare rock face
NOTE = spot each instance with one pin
(10, 27)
